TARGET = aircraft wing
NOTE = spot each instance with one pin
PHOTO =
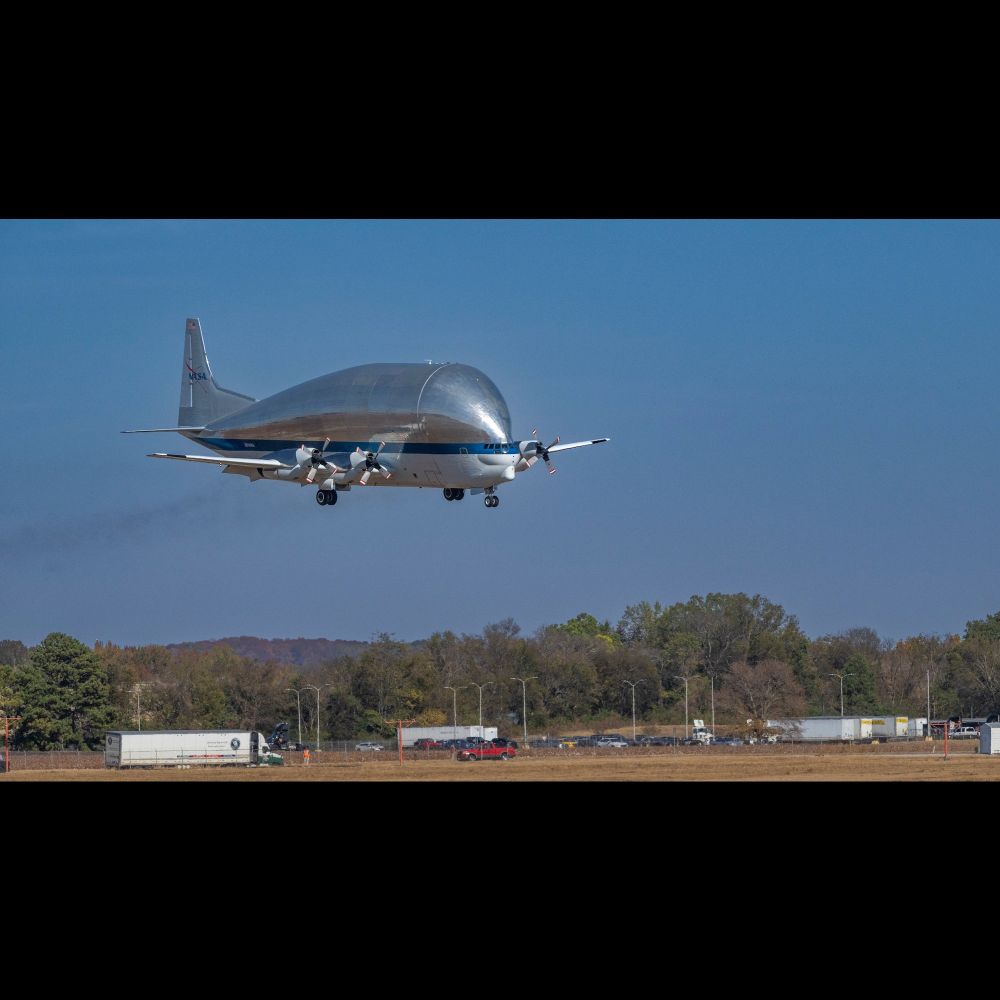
(576, 444)
(247, 463)
(163, 430)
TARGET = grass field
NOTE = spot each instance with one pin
(813, 764)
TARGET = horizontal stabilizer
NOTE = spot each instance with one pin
(163, 430)
(249, 463)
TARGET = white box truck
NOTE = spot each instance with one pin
(187, 748)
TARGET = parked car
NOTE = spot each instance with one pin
(369, 746)
(501, 742)
(727, 741)
(611, 742)
(964, 733)
(427, 744)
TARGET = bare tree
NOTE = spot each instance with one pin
(768, 689)
(986, 668)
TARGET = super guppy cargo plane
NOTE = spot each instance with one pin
(444, 426)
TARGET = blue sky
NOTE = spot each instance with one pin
(801, 409)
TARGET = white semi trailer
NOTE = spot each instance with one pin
(187, 748)
(823, 728)
(891, 726)
(413, 733)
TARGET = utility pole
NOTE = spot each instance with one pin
(480, 686)
(928, 701)
(633, 683)
(712, 679)
(317, 690)
(524, 702)
(298, 702)
(841, 676)
(685, 679)
(454, 707)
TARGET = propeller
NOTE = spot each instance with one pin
(313, 457)
(532, 450)
(371, 463)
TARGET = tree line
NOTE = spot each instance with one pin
(745, 654)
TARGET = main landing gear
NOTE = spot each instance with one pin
(326, 498)
(457, 494)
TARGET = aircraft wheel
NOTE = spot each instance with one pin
(448, 495)
(331, 498)
(458, 494)
(321, 497)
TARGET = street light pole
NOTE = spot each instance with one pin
(524, 700)
(928, 701)
(317, 690)
(633, 683)
(678, 677)
(454, 698)
(711, 677)
(841, 676)
(298, 702)
(480, 686)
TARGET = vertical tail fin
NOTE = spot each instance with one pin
(202, 400)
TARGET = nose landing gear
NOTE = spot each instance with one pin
(492, 500)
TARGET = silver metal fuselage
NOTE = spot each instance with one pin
(444, 425)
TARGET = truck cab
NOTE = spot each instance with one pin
(701, 734)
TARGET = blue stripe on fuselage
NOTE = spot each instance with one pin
(391, 448)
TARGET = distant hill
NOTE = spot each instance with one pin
(296, 652)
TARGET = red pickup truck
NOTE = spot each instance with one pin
(426, 744)
(498, 750)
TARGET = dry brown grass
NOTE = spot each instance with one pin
(739, 764)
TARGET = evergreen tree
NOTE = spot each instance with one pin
(65, 697)
(859, 687)
(985, 630)
(13, 652)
